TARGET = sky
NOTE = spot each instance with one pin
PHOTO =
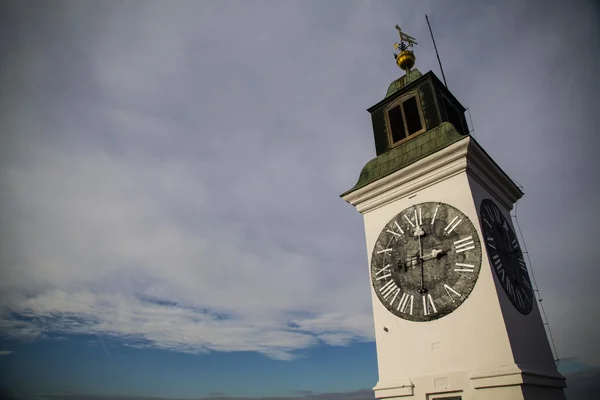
(170, 171)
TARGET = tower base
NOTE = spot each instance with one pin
(511, 382)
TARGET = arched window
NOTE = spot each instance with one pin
(404, 118)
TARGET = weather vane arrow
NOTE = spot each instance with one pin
(405, 38)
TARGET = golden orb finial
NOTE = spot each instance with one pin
(406, 58)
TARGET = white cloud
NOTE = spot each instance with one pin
(170, 176)
(99, 246)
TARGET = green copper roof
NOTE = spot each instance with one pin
(407, 153)
(402, 81)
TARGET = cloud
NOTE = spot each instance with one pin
(303, 392)
(174, 183)
(5, 352)
(182, 230)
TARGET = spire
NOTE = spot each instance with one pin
(414, 111)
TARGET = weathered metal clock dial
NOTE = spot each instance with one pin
(505, 256)
(426, 261)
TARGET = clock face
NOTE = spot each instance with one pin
(505, 256)
(426, 261)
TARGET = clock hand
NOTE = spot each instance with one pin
(435, 253)
(419, 232)
(422, 288)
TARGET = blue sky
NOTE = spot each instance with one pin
(56, 367)
(171, 171)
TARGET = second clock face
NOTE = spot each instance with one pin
(506, 257)
(426, 261)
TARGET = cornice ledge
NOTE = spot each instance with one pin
(515, 374)
(488, 174)
(398, 388)
(436, 167)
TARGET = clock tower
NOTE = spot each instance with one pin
(454, 309)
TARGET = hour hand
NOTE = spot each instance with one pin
(435, 253)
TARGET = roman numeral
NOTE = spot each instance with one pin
(501, 271)
(434, 214)
(465, 267)
(384, 251)
(487, 222)
(464, 244)
(418, 218)
(489, 212)
(388, 289)
(453, 224)
(510, 288)
(497, 261)
(526, 283)
(383, 269)
(489, 241)
(394, 298)
(449, 290)
(526, 297)
(395, 295)
(428, 305)
(493, 213)
(465, 276)
(406, 303)
(396, 233)
(523, 265)
(520, 299)
(515, 244)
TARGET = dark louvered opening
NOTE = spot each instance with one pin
(396, 124)
(453, 116)
(411, 113)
